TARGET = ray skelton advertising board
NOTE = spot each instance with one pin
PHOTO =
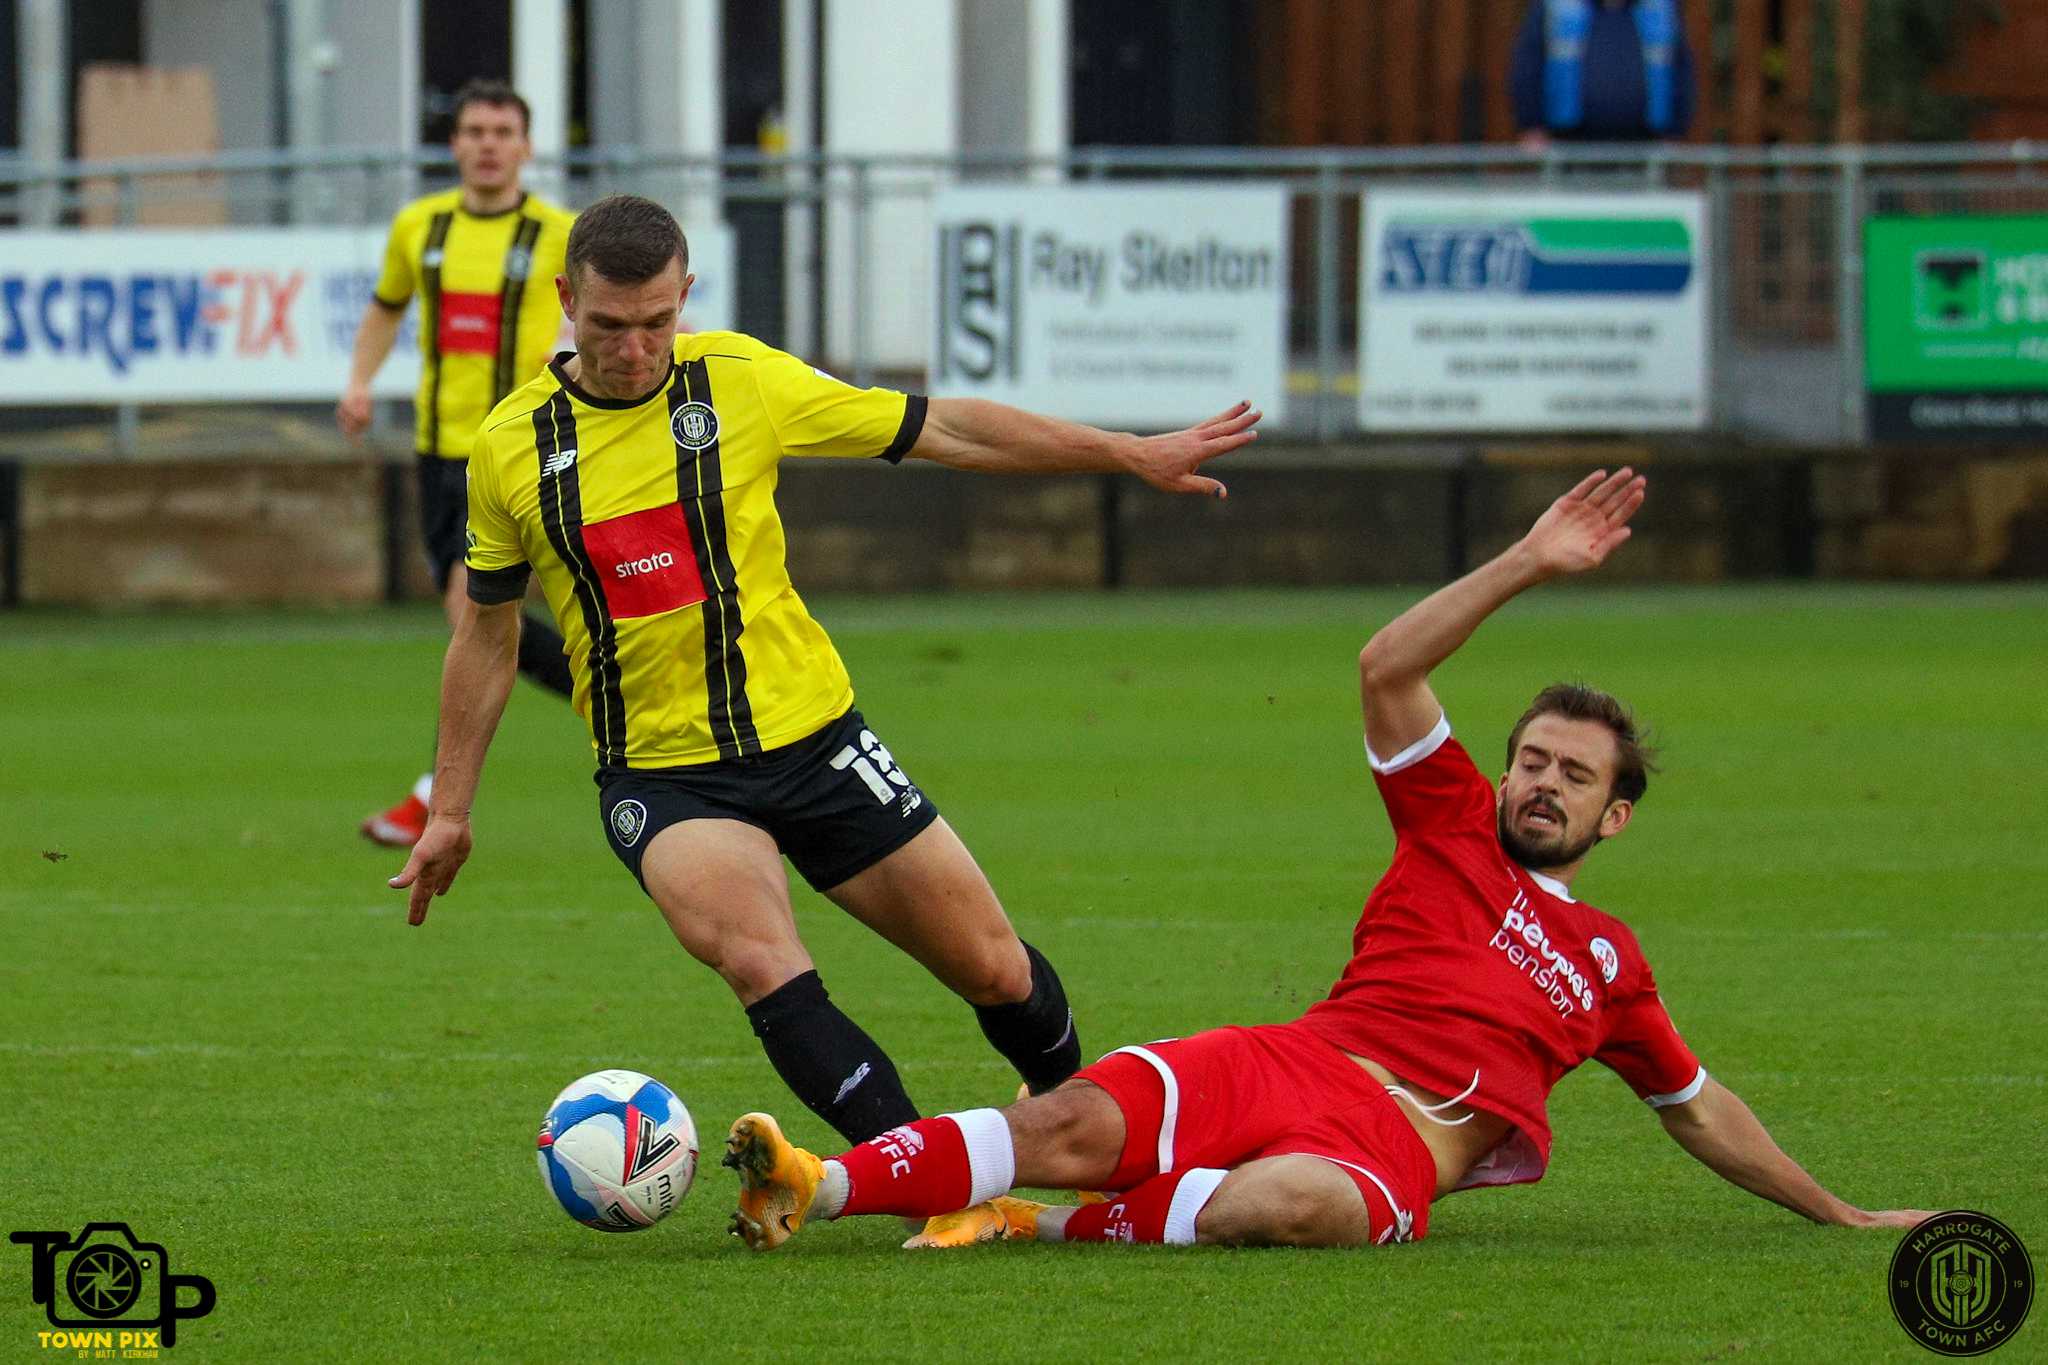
(1149, 307)
(1533, 312)
(158, 316)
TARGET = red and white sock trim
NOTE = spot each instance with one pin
(991, 1159)
(1189, 1199)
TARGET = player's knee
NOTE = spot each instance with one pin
(1072, 1136)
(999, 972)
(1272, 1208)
(756, 967)
(1316, 1220)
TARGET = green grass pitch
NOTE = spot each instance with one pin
(215, 1025)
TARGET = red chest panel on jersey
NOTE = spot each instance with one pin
(644, 562)
(469, 323)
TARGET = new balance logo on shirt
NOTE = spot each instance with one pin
(559, 461)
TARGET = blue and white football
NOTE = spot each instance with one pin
(618, 1151)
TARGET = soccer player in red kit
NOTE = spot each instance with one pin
(1476, 982)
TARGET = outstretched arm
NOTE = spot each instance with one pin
(994, 438)
(374, 339)
(476, 679)
(1725, 1137)
(1577, 533)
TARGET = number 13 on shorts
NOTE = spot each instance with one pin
(873, 765)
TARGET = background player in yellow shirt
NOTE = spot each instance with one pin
(482, 259)
(637, 478)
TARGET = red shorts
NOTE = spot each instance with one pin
(1231, 1095)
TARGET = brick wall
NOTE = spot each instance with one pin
(212, 532)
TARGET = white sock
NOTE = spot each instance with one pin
(831, 1195)
(1052, 1222)
(424, 788)
(991, 1160)
(1189, 1197)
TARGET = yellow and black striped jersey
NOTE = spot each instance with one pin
(652, 524)
(489, 314)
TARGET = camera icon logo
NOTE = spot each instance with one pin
(111, 1280)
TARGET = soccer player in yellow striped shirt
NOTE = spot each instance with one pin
(637, 478)
(482, 260)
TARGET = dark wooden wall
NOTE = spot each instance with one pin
(1402, 72)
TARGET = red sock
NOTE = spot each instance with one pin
(919, 1170)
(1161, 1209)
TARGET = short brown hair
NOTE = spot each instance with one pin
(1634, 758)
(496, 93)
(626, 239)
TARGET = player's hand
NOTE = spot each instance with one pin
(352, 413)
(1168, 462)
(1889, 1218)
(1584, 526)
(436, 858)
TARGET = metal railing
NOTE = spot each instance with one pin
(1786, 224)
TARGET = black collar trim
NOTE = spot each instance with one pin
(591, 400)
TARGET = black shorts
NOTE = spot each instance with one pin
(444, 513)
(834, 802)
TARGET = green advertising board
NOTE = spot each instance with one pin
(1956, 327)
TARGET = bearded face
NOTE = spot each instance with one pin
(1554, 799)
(1540, 835)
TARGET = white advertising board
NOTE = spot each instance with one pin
(156, 316)
(159, 316)
(1533, 312)
(1150, 307)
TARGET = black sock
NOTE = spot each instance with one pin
(839, 1072)
(541, 658)
(1037, 1033)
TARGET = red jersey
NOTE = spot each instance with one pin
(1469, 971)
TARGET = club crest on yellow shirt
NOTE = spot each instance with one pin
(695, 426)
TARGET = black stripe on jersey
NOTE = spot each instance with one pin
(561, 516)
(518, 265)
(700, 489)
(914, 408)
(430, 322)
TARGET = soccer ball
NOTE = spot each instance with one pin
(617, 1151)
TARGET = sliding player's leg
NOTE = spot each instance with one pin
(1071, 1137)
(1211, 1100)
(1299, 1201)
(1256, 1137)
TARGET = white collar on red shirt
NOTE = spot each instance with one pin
(1423, 748)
